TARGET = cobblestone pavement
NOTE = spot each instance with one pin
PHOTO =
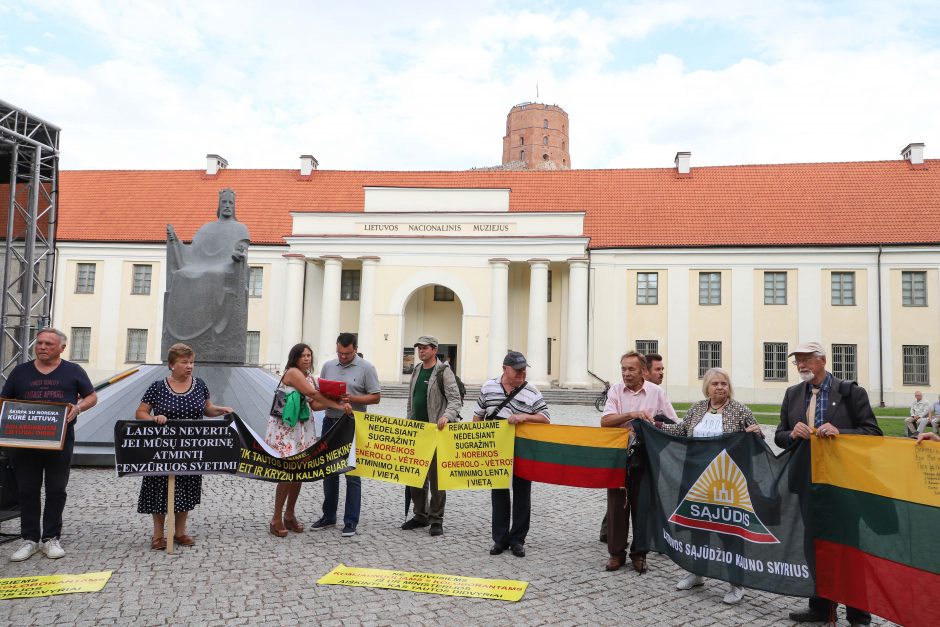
(237, 573)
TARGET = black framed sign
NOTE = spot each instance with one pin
(27, 424)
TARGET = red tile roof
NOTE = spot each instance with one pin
(886, 202)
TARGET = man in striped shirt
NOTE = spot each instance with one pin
(509, 397)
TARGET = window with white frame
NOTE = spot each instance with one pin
(645, 347)
(775, 361)
(443, 293)
(915, 365)
(775, 288)
(349, 284)
(85, 278)
(914, 289)
(253, 348)
(845, 361)
(136, 352)
(80, 344)
(255, 281)
(709, 356)
(843, 288)
(142, 276)
(709, 288)
(647, 288)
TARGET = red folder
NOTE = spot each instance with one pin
(333, 389)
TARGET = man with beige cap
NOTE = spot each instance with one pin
(825, 406)
(433, 396)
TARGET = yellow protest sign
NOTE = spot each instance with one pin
(391, 449)
(48, 585)
(430, 583)
(475, 455)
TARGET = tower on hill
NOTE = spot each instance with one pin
(537, 135)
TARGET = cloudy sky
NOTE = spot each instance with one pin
(417, 85)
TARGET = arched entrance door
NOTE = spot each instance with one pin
(432, 310)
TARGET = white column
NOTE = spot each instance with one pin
(537, 350)
(367, 307)
(499, 315)
(742, 334)
(293, 312)
(809, 292)
(329, 311)
(576, 337)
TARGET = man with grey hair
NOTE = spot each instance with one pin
(920, 412)
(46, 379)
(824, 406)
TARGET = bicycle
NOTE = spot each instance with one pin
(602, 399)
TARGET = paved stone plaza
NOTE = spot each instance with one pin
(237, 573)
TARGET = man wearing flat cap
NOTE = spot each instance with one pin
(824, 406)
(510, 397)
(433, 396)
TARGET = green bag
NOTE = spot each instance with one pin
(295, 409)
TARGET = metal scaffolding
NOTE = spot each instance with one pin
(29, 178)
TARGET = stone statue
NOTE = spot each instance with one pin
(206, 300)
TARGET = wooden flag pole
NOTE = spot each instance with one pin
(170, 513)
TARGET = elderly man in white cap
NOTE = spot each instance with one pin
(825, 406)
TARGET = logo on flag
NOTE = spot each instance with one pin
(719, 501)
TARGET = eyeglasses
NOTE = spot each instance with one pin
(802, 360)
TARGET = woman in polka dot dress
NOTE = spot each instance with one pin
(177, 397)
(289, 439)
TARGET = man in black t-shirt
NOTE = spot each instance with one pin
(46, 379)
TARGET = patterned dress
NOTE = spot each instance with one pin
(175, 406)
(288, 440)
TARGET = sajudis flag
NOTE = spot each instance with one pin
(728, 508)
(876, 512)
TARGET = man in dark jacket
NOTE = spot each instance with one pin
(825, 406)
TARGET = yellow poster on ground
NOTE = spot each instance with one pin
(48, 585)
(391, 449)
(475, 455)
(430, 583)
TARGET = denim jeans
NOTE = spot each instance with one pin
(331, 492)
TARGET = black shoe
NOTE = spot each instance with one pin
(437, 529)
(603, 538)
(497, 549)
(807, 616)
(414, 523)
(322, 524)
(518, 550)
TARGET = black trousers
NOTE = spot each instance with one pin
(520, 508)
(826, 608)
(622, 506)
(32, 467)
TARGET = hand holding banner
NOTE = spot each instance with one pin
(397, 450)
(475, 455)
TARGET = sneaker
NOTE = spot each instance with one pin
(437, 529)
(322, 524)
(25, 552)
(734, 595)
(414, 523)
(52, 549)
(349, 531)
(690, 581)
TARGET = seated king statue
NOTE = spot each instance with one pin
(206, 300)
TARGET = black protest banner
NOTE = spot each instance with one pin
(27, 424)
(179, 447)
(327, 456)
(728, 508)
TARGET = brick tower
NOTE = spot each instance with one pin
(537, 134)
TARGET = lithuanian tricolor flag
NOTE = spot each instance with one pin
(583, 457)
(876, 515)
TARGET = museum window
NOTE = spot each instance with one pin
(80, 344)
(521, 141)
(843, 288)
(915, 365)
(845, 361)
(253, 348)
(442, 293)
(709, 356)
(545, 123)
(85, 279)
(349, 285)
(775, 361)
(647, 288)
(549, 297)
(255, 281)
(709, 288)
(142, 275)
(775, 288)
(545, 140)
(645, 347)
(522, 155)
(136, 346)
(914, 289)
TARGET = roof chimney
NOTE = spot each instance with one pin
(308, 163)
(682, 162)
(214, 163)
(914, 153)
